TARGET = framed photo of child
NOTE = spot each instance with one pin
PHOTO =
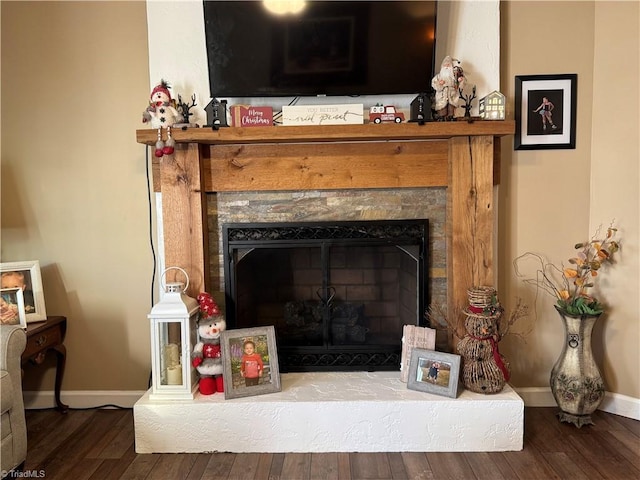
(12, 307)
(26, 276)
(250, 360)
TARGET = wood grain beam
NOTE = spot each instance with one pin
(184, 216)
(331, 133)
(326, 166)
(470, 218)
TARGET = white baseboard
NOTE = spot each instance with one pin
(615, 403)
(622, 405)
(532, 396)
(83, 399)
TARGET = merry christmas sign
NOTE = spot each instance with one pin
(249, 116)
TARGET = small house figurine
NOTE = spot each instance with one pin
(492, 107)
(216, 114)
(421, 109)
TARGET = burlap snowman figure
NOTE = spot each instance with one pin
(484, 369)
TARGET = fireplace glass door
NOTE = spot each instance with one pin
(338, 300)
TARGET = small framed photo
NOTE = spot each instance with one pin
(434, 372)
(26, 276)
(250, 359)
(12, 307)
(546, 111)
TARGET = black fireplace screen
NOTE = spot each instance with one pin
(337, 293)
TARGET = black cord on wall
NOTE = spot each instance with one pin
(151, 244)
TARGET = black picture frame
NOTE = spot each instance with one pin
(546, 125)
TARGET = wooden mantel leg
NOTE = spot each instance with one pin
(184, 221)
(470, 221)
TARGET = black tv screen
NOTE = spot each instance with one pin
(330, 48)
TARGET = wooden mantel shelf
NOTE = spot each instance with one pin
(332, 133)
(461, 156)
(325, 157)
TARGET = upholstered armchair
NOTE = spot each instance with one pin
(14, 427)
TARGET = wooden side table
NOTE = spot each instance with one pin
(45, 336)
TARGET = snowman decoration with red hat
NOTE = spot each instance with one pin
(207, 358)
(162, 114)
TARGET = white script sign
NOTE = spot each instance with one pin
(350, 114)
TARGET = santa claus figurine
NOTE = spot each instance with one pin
(447, 85)
(161, 113)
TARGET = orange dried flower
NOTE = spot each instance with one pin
(570, 272)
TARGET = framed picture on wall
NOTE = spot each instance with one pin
(545, 112)
(26, 276)
(250, 360)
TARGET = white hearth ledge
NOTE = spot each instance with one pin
(333, 412)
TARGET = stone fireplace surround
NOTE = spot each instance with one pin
(360, 411)
(331, 206)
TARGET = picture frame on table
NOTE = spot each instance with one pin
(545, 111)
(434, 372)
(26, 276)
(250, 362)
(12, 307)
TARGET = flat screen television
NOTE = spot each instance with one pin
(330, 48)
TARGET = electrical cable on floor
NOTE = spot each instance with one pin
(111, 406)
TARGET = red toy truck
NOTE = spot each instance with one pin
(388, 113)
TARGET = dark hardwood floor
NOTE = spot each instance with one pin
(98, 444)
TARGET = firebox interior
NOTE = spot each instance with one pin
(337, 293)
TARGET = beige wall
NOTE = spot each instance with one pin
(76, 78)
(74, 85)
(551, 199)
(615, 184)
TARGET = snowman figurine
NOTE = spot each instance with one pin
(161, 113)
(207, 355)
(484, 369)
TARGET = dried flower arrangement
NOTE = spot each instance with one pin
(570, 285)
